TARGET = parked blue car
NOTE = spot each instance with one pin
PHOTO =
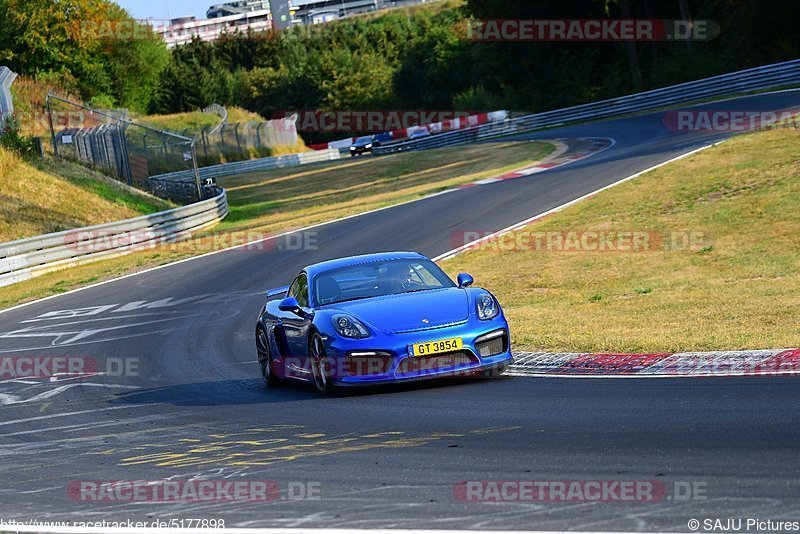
(379, 318)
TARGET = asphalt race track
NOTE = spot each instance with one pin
(195, 406)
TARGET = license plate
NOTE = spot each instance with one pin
(437, 347)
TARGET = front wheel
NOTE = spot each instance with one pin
(265, 359)
(320, 366)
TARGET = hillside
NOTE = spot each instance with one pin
(38, 198)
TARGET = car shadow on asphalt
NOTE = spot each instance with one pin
(253, 391)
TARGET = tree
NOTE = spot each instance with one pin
(94, 42)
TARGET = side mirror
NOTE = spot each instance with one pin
(465, 280)
(290, 305)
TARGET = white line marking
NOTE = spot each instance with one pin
(70, 414)
(80, 427)
(7, 399)
(456, 251)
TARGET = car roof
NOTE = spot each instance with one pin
(317, 268)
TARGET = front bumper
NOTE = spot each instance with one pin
(386, 358)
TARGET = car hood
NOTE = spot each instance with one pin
(405, 312)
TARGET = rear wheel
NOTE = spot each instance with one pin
(320, 365)
(265, 359)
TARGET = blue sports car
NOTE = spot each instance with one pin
(379, 318)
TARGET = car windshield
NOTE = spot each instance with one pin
(380, 278)
(366, 139)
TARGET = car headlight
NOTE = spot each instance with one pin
(348, 326)
(352, 148)
(368, 146)
(487, 307)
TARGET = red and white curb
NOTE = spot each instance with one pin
(596, 145)
(658, 365)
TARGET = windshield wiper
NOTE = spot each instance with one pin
(350, 300)
(418, 290)
(383, 295)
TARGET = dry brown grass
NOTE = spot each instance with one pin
(738, 287)
(197, 120)
(35, 200)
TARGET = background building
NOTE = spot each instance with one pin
(255, 15)
(237, 8)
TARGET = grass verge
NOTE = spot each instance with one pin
(717, 266)
(283, 199)
(39, 197)
(301, 196)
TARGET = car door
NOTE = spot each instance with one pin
(295, 328)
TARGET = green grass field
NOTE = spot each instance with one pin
(721, 269)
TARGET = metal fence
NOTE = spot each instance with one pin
(759, 78)
(243, 140)
(262, 164)
(27, 258)
(127, 150)
(216, 109)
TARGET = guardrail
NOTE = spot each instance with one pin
(27, 258)
(239, 167)
(759, 78)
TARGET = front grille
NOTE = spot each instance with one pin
(418, 364)
(367, 365)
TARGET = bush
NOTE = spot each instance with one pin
(12, 139)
